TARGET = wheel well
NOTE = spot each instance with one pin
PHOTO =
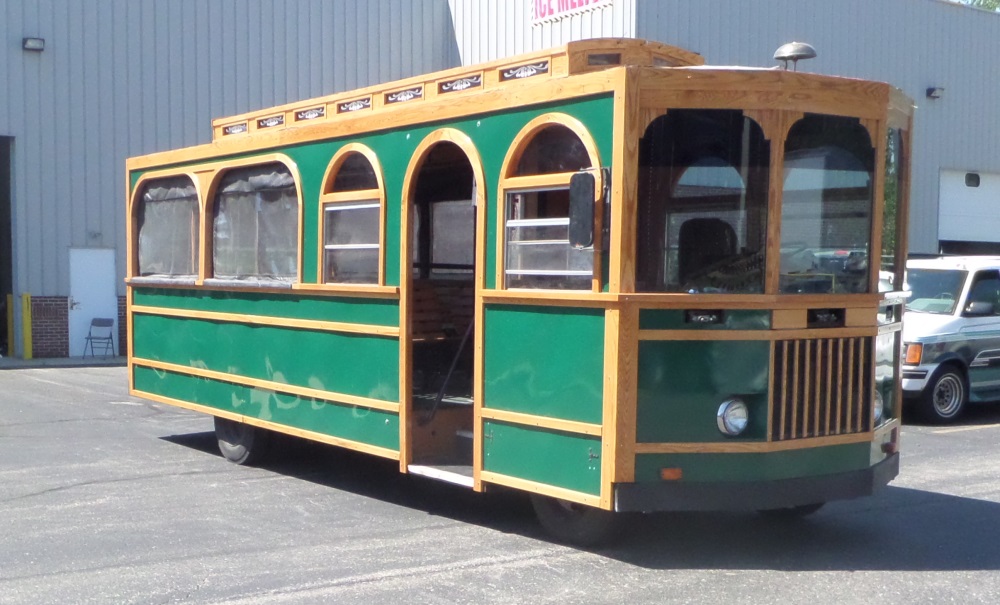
(954, 364)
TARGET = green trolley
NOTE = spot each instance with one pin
(605, 274)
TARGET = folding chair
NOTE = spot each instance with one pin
(100, 333)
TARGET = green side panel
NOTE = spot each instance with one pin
(376, 312)
(756, 466)
(491, 133)
(364, 425)
(733, 319)
(353, 364)
(550, 457)
(682, 384)
(547, 361)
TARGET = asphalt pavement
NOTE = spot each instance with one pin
(109, 499)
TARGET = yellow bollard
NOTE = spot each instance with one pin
(10, 325)
(26, 323)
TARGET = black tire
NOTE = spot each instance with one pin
(576, 524)
(945, 395)
(240, 443)
(791, 512)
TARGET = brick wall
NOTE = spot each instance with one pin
(50, 326)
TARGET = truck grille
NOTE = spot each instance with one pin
(821, 387)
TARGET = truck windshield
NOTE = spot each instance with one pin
(934, 290)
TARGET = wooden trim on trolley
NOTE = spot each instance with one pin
(544, 422)
(560, 298)
(268, 320)
(541, 488)
(624, 183)
(432, 110)
(757, 334)
(333, 290)
(272, 426)
(621, 353)
(748, 447)
(510, 72)
(724, 88)
(270, 385)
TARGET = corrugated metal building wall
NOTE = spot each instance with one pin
(913, 44)
(126, 77)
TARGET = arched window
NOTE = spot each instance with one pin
(167, 220)
(702, 224)
(537, 252)
(255, 224)
(826, 211)
(352, 219)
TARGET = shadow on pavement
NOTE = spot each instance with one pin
(899, 529)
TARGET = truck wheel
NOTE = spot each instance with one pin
(944, 397)
(576, 524)
(240, 443)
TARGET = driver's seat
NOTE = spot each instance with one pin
(702, 243)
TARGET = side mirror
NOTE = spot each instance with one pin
(582, 187)
(979, 308)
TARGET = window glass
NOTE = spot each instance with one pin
(553, 150)
(985, 291)
(355, 174)
(890, 216)
(351, 227)
(702, 224)
(451, 222)
(168, 228)
(934, 290)
(351, 248)
(538, 251)
(827, 206)
(255, 225)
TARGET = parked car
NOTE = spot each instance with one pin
(951, 334)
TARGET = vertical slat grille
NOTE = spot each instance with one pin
(822, 387)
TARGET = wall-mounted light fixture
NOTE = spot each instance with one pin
(36, 44)
(935, 92)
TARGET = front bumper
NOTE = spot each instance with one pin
(758, 495)
(915, 378)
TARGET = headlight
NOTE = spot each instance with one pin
(733, 417)
(879, 406)
(914, 351)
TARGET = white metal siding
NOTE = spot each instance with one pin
(493, 29)
(969, 214)
(120, 78)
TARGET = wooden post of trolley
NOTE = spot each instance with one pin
(605, 274)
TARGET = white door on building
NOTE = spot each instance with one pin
(92, 294)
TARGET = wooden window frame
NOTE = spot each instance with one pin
(512, 183)
(330, 199)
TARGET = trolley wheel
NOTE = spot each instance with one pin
(572, 523)
(791, 512)
(945, 395)
(240, 443)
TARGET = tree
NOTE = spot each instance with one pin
(991, 5)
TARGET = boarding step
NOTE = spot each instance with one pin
(457, 474)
